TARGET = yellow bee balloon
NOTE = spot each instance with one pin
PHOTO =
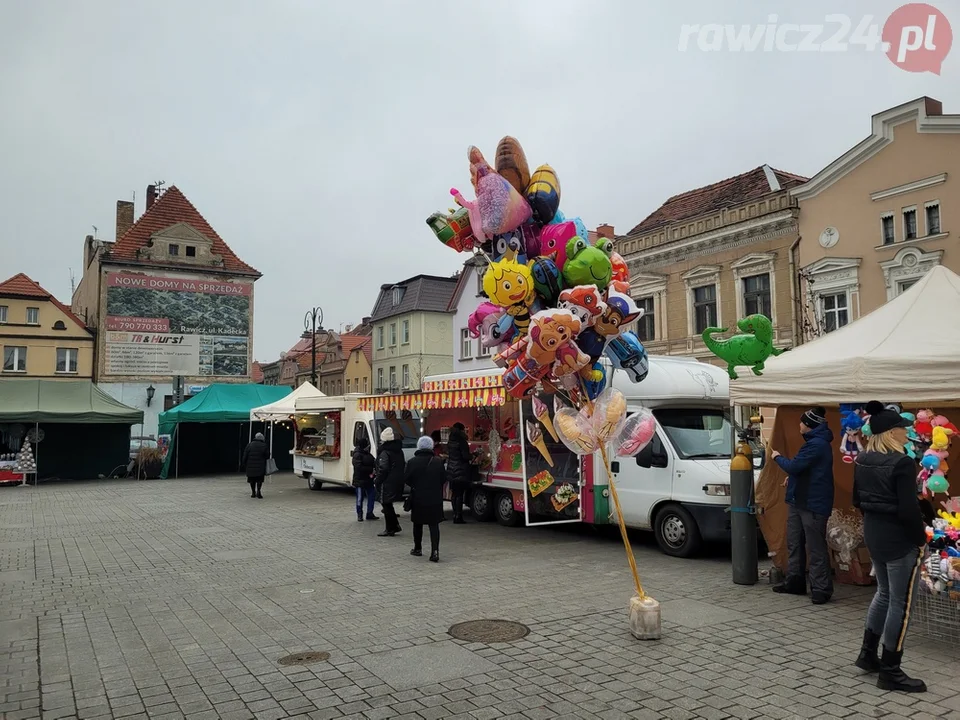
(509, 284)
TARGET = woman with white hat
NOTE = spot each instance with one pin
(390, 466)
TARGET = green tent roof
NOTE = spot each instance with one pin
(61, 401)
(222, 403)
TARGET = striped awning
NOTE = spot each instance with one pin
(473, 397)
(467, 382)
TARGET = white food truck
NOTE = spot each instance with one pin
(678, 486)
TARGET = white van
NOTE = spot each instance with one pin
(679, 484)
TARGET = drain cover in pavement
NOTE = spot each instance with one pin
(304, 658)
(489, 631)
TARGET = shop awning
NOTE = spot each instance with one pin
(286, 406)
(475, 397)
(222, 403)
(23, 400)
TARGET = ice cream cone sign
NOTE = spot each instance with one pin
(536, 439)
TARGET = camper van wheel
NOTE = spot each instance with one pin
(503, 509)
(313, 482)
(677, 532)
(481, 506)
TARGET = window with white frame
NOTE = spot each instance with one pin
(380, 379)
(405, 332)
(466, 345)
(646, 325)
(365, 383)
(393, 334)
(66, 360)
(704, 307)
(910, 223)
(397, 296)
(482, 352)
(905, 285)
(834, 309)
(14, 358)
(756, 295)
(931, 212)
(3, 313)
(393, 376)
(380, 337)
(405, 374)
(888, 233)
(33, 316)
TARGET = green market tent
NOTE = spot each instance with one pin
(84, 433)
(216, 406)
(61, 401)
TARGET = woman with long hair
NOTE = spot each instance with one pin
(885, 490)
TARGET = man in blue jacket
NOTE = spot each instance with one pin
(810, 496)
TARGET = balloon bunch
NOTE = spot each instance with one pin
(556, 303)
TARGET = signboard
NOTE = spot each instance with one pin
(159, 325)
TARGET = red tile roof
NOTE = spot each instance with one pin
(22, 286)
(361, 342)
(256, 374)
(169, 209)
(303, 360)
(733, 191)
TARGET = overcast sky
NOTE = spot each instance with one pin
(316, 136)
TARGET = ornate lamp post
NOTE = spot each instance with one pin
(312, 321)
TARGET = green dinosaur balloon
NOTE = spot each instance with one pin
(751, 349)
(586, 264)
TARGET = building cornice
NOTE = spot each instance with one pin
(909, 187)
(881, 136)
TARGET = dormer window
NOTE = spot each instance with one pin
(59, 325)
(397, 295)
(191, 251)
(173, 249)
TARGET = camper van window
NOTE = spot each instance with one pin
(696, 433)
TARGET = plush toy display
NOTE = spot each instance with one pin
(851, 446)
(751, 348)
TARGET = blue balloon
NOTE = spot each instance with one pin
(627, 353)
(558, 218)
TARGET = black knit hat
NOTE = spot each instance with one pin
(814, 417)
(887, 420)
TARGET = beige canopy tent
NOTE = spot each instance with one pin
(906, 351)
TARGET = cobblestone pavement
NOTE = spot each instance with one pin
(172, 599)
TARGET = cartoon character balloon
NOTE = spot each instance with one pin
(510, 285)
(750, 348)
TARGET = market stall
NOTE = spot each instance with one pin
(74, 429)
(905, 352)
(281, 412)
(207, 433)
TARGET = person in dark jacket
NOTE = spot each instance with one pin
(458, 469)
(885, 490)
(389, 483)
(255, 464)
(364, 471)
(426, 477)
(810, 496)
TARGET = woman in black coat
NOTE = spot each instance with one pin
(458, 469)
(255, 464)
(364, 470)
(389, 483)
(425, 476)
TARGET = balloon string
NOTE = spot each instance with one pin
(616, 504)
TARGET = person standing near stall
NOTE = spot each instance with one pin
(458, 469)
(425, 476)
(810, 497)
(885, 490)
(255, 464)
(389, 483)
(364, 471)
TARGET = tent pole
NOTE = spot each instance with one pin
(36, 455)
(271, 437)
(176, 432)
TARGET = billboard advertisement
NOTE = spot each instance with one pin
(176, 326)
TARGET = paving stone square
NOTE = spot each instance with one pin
(176, 599)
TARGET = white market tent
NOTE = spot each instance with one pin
(283, 408)
(907, 349)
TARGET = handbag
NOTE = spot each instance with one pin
(271, 466)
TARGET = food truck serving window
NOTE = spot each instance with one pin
(319, 434)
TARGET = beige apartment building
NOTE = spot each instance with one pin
(713, 255)
(877, 218)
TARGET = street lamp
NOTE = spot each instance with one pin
(311, 321)
(151, 391)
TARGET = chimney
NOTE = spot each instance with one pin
(605, 231)
(124, 217)
(151, 196)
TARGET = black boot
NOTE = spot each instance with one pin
(371, 516)
(458, 518)
(867, 659)
(386, 533)
(416, 552)
(359, 517)
(893, 678)
(435, 557)
(791, 586)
